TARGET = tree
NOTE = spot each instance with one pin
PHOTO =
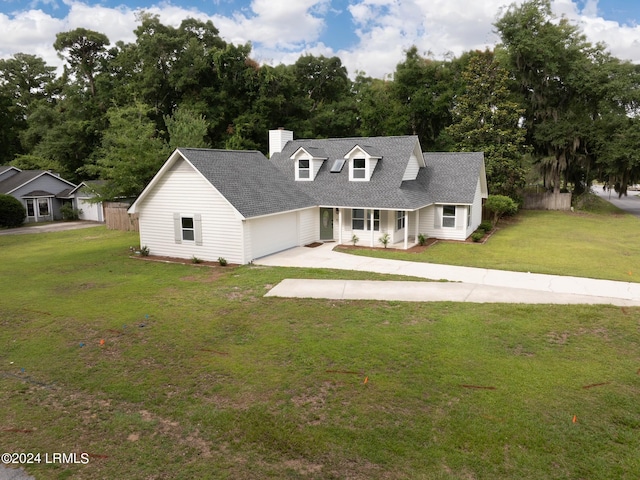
(130, 153)
(186, 129)
(500, 205)
(548, 57)
(84, 51)
(486, 117)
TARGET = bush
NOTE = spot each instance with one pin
(195, 259)
(500, 205)
(477, 235)
(384, 239)
(144, 251)
(354, 239)
(486, 225)
(70, 213)
(222, 261)
(422, 239)
(12, 212)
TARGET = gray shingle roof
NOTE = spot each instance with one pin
(451, 177)
(19, 179)
(252, 184)
(448, 177)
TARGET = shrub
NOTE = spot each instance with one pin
(354, 239)
(222, 261)
(477, 235)
(144, 251)
(384, 239)
(195, 259)
(500, 205)
(70, 213)
(12, 212)
(422, 239)
(486, 225)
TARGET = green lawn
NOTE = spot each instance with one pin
(202, 377)
(563, 243)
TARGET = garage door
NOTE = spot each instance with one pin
(273, 234)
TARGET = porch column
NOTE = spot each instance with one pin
(339, 226)
(406, 229)
(417, 225)
(371, 226)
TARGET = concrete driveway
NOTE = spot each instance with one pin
(50, 227)
(476, 284)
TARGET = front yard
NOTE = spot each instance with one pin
(200, 376)
(579, 244)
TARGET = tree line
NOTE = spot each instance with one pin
(544, 105)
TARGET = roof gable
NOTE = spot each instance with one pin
(248, 181)
(24, 177)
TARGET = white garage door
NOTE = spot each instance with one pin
(273, 234)
(90, 211)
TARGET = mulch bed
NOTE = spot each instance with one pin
(184, 261)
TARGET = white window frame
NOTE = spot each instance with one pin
(191, 229)
(360, 170)
(303, 173)
(401, 219)
(468, 216)
(366, 220)
(448, 217)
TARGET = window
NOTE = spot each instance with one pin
(359, 168)
(400, 219)
(188, 230)
(357, 220)
(449, 216)
(31, 211)
(361, 219)
(469, 216)
(337, 165)
(303, 169)
(43, 207)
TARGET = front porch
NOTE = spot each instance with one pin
(371, 227)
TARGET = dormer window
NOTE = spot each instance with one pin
(362, 162)
(359, 168)
(307, 161)
(304, 173)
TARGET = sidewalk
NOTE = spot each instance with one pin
(491, 285)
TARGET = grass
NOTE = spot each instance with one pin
(200, 376)
(593, 245)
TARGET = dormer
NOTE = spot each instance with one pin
(415, 163)
(362, 162)
(308, 161)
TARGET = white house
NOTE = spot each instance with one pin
(239, 205)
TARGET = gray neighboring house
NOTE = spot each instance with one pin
(239, 205)
(41, 192)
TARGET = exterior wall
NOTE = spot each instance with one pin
(222, 227)
(272, 234)
(309, 226)
(431, 223)
(476, 211)
(412, 168)
(47, 183)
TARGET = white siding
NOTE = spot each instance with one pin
(412, 169)
(182, 190)
(431, 223)
(272, 234)
(476, 210)
(309, 222)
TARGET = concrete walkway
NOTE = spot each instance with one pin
(478, 284)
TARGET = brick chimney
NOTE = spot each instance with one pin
(278, 139)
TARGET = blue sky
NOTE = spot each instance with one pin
(368, 35)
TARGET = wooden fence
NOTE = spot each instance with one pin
(117, 218)
(547, 201)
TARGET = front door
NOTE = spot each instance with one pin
(326, 224)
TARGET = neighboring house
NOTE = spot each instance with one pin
(41, 192)
(239, 205)
(82, 196)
